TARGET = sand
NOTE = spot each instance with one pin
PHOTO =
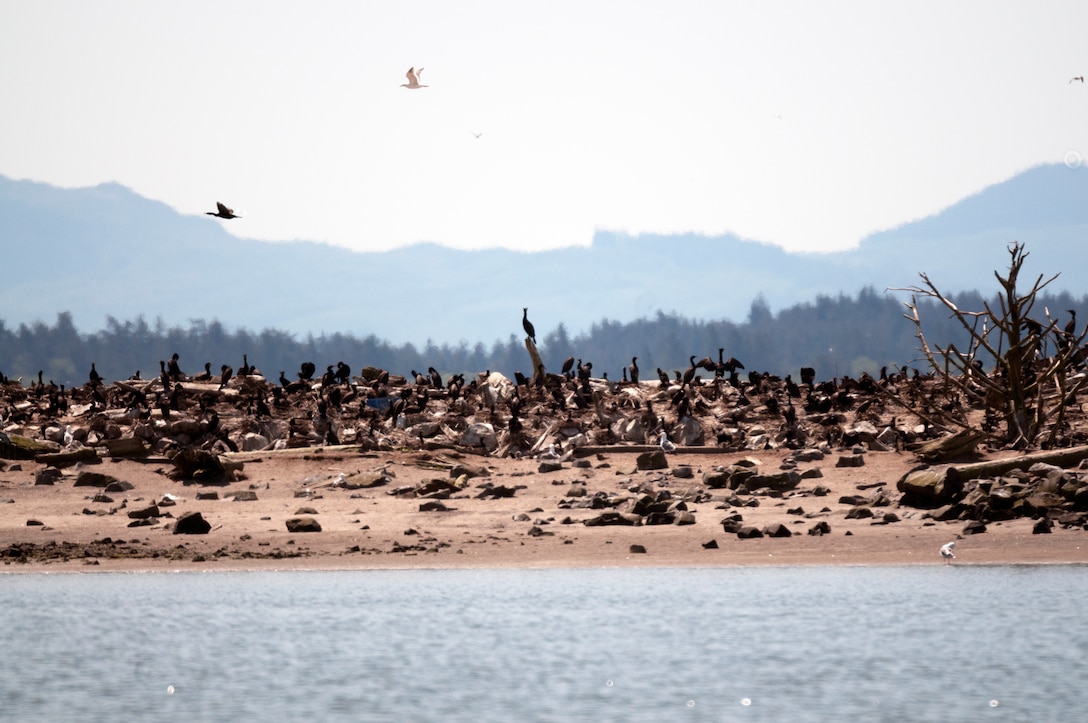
(371, 528)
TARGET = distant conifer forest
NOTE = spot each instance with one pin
(835, 335)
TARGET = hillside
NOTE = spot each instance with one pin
(106, 251)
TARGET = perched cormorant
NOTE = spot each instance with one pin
(633, 370)
(94, 376)
(527, 325)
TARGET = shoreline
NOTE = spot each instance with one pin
(540, 523)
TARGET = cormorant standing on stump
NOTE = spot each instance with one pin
(528, 325)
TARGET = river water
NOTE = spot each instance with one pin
(918, 643)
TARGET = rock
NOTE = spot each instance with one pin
(94, 479)
(433, 506)
(244, 496)
(497, 492)
(637, 550)
(144, 513)
(748, 532)
(716, 479)
(820, 528)
(613, 518)
(974, 527)
(463, 469)
(47, 476)
(858, 513)
(652, 460)
(253, 442)
(192, 523)
(712, 545)
(479, 435)
(119, 486)
(303, 524)
(549, 466)
(683, 517)
(777, 530)
(683, 472)
(213, 495)
(851, 460)
(365, 480)
(1042, 526)
(928, 488)
(779, 481)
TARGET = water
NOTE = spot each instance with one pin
(933, 643)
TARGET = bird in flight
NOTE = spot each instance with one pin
(413, 79)
(477, 135)
(1077, 78)
(223, 211)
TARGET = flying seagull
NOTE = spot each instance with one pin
(946, 551)
(413, 79)
(223, 212)
(1077, 78)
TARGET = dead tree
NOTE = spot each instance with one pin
(1026, 388)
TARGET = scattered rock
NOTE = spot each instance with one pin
(303, 524)
(192, 523)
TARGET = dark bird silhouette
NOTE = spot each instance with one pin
(94, 376)
(1077, 78)
(1071, 325)
(527, 325)
(245, 370)
(568, 364)
(173, 368)
(206, 375)
(633, 370)
(222, 211)
(224, 376)
(689, 375)
(343, 372)
(663, 377)
(436, 378)
(306, 371)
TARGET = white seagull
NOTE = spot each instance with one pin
(666, 445)
(413, 79)
(946, 551)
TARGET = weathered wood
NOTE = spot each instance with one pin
(642, 448)
(996, 467)
(86, 455)
(955, 445)
(16, 446)
(126, 447)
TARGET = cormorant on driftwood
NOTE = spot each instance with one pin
(567, 366)
(527, 325)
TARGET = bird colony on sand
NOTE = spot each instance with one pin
(549, 416)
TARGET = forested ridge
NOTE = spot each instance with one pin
(835, 335)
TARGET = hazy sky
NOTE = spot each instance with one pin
(804, 124)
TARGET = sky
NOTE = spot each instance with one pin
(806, 125)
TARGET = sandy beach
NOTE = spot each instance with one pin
(542, 523)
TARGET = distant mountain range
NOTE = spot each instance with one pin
(106, 251)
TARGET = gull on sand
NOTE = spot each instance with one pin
(946, 551)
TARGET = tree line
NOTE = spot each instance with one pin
(835, 335)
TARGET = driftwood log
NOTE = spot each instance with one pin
(929, 486)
